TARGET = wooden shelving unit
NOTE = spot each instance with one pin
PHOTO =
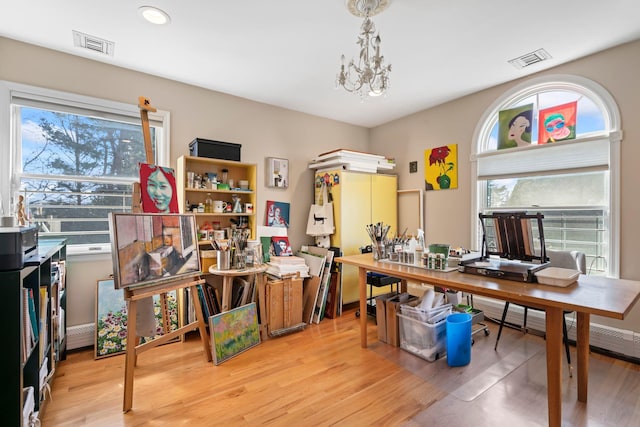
(236, 171)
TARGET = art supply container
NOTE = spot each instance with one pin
(224, 260)
(458, 339)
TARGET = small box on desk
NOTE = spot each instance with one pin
(387, 307)
(200, 147)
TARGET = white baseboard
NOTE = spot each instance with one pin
(613, 339)
(81, 336)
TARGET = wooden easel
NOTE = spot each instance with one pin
(133, 295)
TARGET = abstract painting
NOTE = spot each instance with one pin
(233, 332)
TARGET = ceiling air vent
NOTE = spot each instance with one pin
(93, 43)
(530, 59)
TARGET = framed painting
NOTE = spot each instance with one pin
(111, 319)
(158, 189)
(557, 123)
(152, 248)
(277, 172)
(277, 214)
(233, 332)
(281, 246)
(441, 167)
(514, 127)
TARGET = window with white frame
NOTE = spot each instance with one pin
(74, 159)
(573, 181)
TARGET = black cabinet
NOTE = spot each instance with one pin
(34, 323)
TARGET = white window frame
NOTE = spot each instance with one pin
(10, 154)
(612, 135)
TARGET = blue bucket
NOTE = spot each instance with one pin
(458, 339)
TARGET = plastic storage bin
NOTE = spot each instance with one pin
(424, 339)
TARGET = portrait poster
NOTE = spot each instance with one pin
(514, 127)
(277, 214)
(152, 248)
(233, 332)
(557, 123)
(281, 246)
(158, 189)
(441, 167)
(111, 319)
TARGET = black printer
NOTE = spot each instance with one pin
(16, 243)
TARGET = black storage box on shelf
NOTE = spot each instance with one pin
(200, 147)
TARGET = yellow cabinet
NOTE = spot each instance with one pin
(359, 199)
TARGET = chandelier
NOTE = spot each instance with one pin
(369, 76)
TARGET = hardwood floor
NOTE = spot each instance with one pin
(321, 376)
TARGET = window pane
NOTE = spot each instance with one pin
(576, 190)
(75, 170)
(67, 144)
(77, 210)
(589, 116)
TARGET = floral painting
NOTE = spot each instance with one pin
(233, 332)
(111, 319)
(557, 123)
(441, 167)
(514, 127)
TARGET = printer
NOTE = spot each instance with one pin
(16, 243)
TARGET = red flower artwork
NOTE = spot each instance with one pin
(438, 155)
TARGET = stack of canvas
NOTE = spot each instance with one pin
(352, 160)
(285, 265)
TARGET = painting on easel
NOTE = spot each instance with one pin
(152, 248)
(233, 332)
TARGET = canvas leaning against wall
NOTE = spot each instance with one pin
(152, 248)
(111, 319)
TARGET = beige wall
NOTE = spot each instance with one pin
(265, 130)
(447, 217)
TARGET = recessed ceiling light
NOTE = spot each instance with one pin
(154, 15)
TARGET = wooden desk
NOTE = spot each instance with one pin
(592, 295)
(227, 280)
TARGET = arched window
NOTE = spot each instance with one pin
(551, 145)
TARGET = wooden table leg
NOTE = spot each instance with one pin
(130, 360)
(554, 365)
(227, 287)
(582, 346)
(362, 280)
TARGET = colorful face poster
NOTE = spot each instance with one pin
(514, 127)
(441, 167)
(277, 214)
(158, 189)
(557, 123)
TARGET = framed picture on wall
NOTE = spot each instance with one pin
(277, 172)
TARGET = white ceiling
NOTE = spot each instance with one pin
(287, 52)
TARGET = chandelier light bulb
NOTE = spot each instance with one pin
(368, 76)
